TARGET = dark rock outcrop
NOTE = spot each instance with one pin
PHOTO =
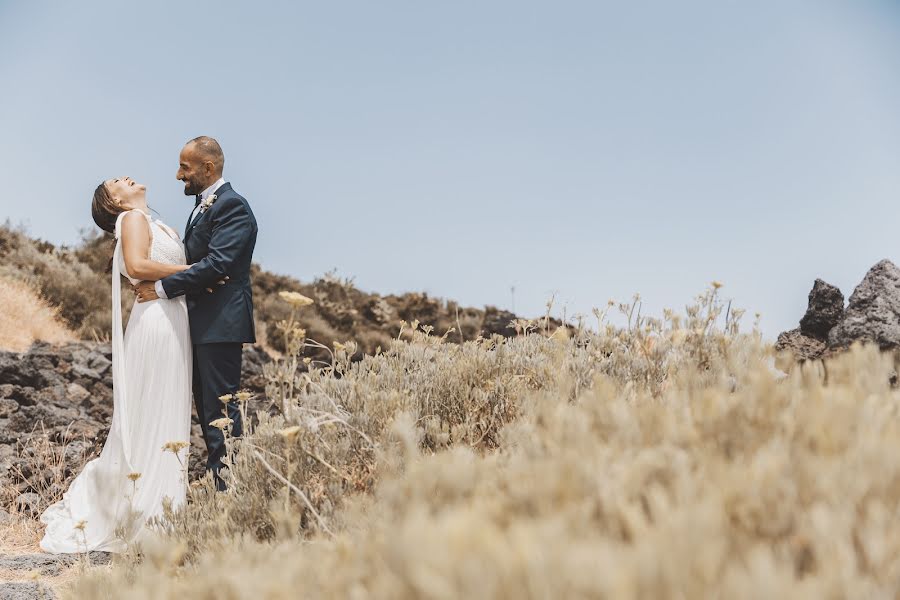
(873, 313)
(823, 312)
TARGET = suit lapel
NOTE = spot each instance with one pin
(187, 226)
(225, 187)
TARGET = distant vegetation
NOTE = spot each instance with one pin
(75, 281)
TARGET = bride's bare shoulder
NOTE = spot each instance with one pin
(135, 225)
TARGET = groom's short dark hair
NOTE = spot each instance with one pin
(210, 149)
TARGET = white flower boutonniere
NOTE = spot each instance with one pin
(204, 206)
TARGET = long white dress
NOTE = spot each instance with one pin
(107, 505)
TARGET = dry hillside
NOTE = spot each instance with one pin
(74, 280)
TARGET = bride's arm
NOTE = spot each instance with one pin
(136, 251)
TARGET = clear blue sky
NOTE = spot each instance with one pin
(588, 149)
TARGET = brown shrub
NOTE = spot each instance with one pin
(81, 294)
(26, 317)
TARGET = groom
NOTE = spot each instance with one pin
(219, 241)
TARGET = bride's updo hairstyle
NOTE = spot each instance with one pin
(104, 209)
(105, 212)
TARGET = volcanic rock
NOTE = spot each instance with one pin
(824, 311)
(873, 313)
(802, 347)
(64, 393)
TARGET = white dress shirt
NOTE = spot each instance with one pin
(203, 196)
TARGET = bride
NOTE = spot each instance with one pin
(144, 459)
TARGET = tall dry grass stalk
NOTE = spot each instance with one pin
(26, 318)
(667, 459)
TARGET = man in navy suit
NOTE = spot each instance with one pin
(219, 240)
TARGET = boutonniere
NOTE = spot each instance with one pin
(204, 206)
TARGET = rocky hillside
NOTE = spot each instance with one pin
(75, 281)
(55, 412)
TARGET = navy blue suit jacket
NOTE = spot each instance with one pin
(219, 242)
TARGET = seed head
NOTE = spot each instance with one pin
(289, 434)
(175, 447)
(221, 423)
(296, 299)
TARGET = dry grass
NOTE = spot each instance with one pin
(20, 535)
(43, 467)
(26, 318)
(746, 489)
(668, 459)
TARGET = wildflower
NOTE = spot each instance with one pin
(80, 525)
(175, 447)
(339, 346)
(307, 360)
(716, 284)
(226, 398)
(296, 299)
(221, 423)
(243, 396)
(134, 476)
(290, 433)
(678, 337)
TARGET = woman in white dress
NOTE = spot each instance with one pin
(144, 459)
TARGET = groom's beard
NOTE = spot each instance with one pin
(192, 188)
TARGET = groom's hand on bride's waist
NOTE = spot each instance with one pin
(146, 290)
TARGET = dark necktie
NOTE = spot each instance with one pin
(197, 203)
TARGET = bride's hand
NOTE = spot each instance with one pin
(145, 291)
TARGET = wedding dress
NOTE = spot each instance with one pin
(108, 504)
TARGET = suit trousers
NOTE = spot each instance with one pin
(217, 372)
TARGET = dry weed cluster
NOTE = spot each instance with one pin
(665, 459)
(26, 317)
